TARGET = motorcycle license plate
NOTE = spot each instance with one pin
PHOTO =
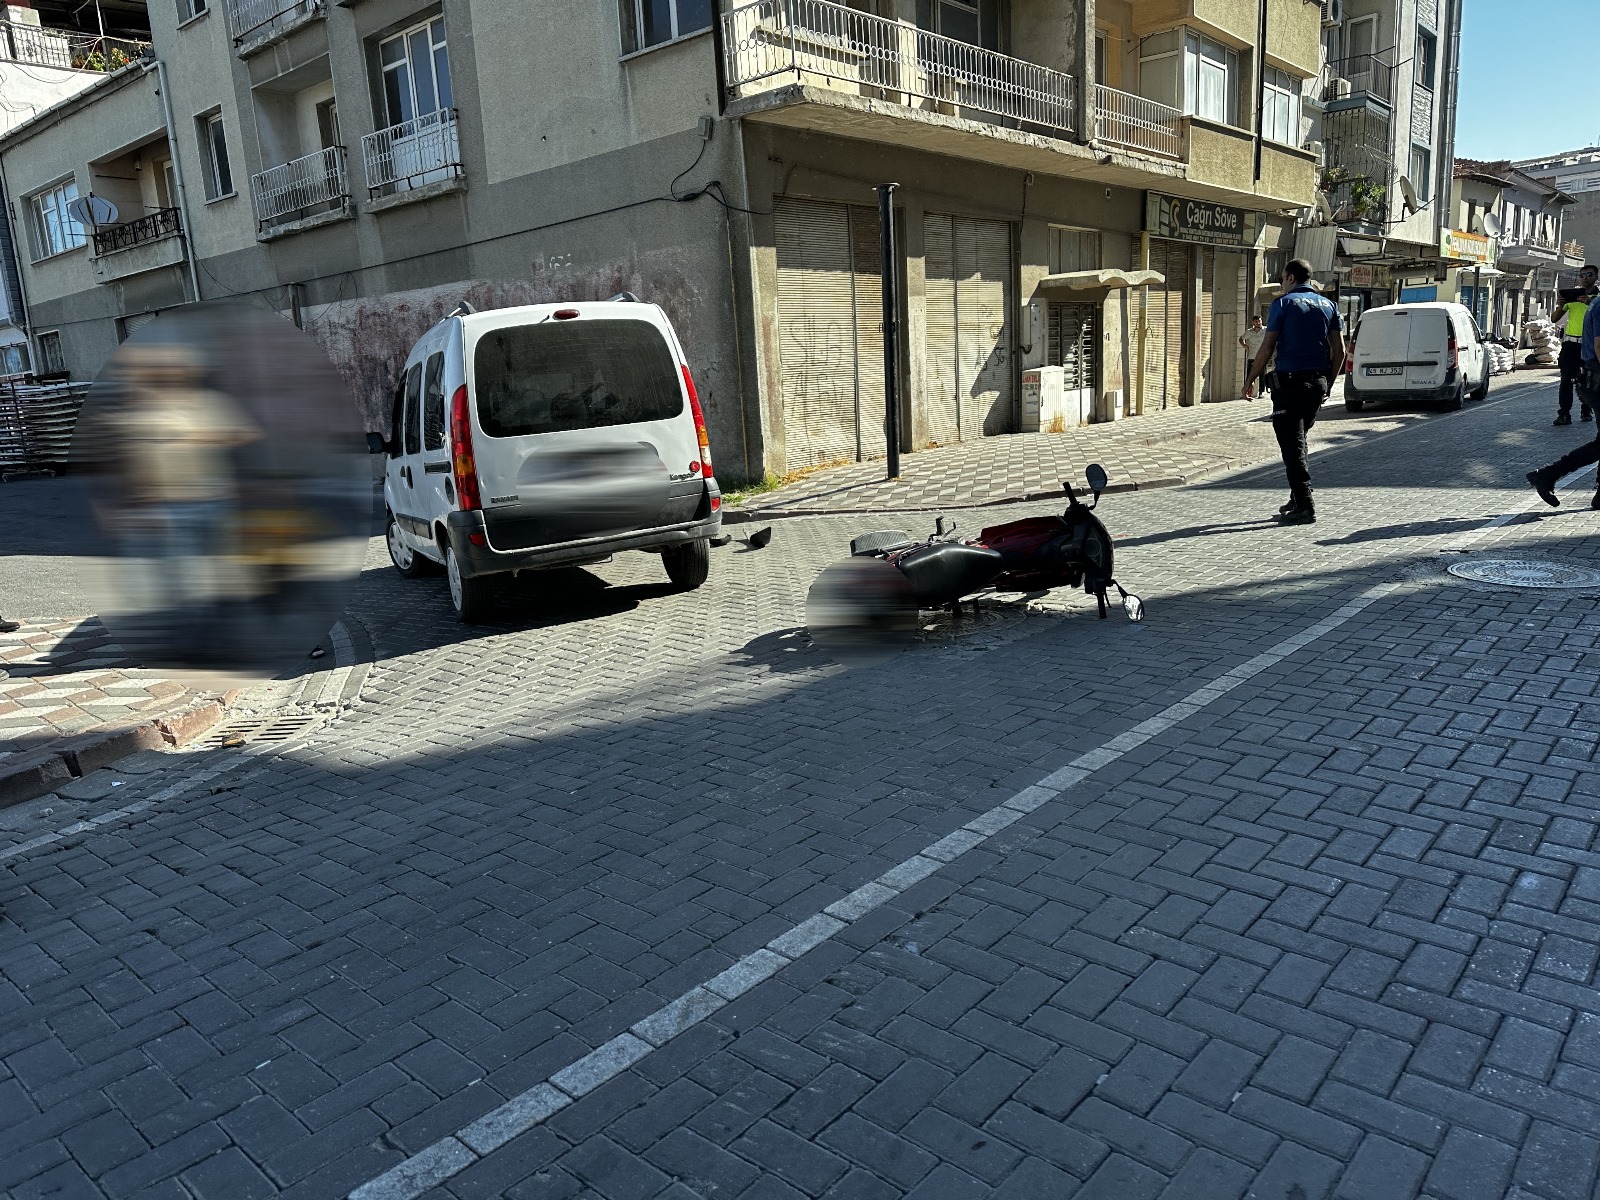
(1385, 370)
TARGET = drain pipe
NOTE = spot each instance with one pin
(177, 174)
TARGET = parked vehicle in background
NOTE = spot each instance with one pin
(1429, 353)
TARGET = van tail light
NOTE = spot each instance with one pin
(1350, 358)
(699, 423)
(1455, 352)
(465, 468)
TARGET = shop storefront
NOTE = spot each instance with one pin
(1193, 321)
(1473, 255)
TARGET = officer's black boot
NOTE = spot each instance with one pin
(1545, 484)
(1303, 512)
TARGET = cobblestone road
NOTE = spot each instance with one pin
(1197, 908)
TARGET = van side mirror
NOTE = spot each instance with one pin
(376, 444)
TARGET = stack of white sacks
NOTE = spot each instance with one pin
(1502, 359)
(1545, 339)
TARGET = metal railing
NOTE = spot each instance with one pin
(412, 154)
(1135, 123)
(255, 19)
(794, 40)
(36, 426)
(1361, 75)
(300, 188)
(68, 50)
(163, 223)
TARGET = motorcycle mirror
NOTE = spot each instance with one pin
(1134, 607)
(1096, 475)
(376, 444)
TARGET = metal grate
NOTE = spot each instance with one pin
(264, 731)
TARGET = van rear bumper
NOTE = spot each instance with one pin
(1452, 381)
(483, 559)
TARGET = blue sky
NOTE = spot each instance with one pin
(1514, 57)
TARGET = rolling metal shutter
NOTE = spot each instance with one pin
(132, 325)
(830, 330)
(967, 352)
(1164, 339)
(1179, 276)
(1206, 321)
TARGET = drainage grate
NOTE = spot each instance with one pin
(1541, 574)
(268, 730)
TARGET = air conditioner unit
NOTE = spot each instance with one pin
(1340, 89)
(1332, 12)
(1313, 148)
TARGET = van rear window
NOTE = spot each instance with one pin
(561, 375)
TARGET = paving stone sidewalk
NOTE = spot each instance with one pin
(1161, 449)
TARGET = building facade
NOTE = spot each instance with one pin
(1526, 219)
(1089, 194)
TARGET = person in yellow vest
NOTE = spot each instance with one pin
(1568, 317)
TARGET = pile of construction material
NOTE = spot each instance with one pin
(36, 425)
(1545, 341)
(1502, 359)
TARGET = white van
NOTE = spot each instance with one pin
(1419, 352)
(548, 435)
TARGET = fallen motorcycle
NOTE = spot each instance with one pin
(1032, 554)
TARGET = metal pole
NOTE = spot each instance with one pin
(891, 325)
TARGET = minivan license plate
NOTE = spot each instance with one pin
(1384, 370)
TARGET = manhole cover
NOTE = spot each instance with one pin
(1527, 573)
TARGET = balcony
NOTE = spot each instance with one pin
(1134, 123)
(773, 44)
(134, 247)
(413, 159)
(1363, 80)
(257, 23)
(68, 51)
(301, 193)
(1525, 249)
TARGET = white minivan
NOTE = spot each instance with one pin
(1421, 352)
(547, 435)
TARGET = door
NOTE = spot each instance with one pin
(419, 104)
(328, 124)
(1228, 323)
(830, 332)
(1073, 345)
(1427, 349)
(406, 498)
(1205, 323)
(1164, 338)
(435, 485)
(967, 353)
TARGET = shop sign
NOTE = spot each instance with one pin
(1474, 247)
(1370, 276)
(1200, 221)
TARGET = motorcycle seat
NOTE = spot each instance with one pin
(941, 572)
(880, 542)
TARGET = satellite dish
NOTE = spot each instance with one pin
(1408, 193)
(1324, 209)
(93, 211)
(1492, 226)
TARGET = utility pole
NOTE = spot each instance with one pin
(891, 325)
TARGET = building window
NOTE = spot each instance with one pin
(188, 10)
(51, 360)
(1421, 170)
(1280, 114)
(214, 152)
(16, 359)
(647, 23)
(1273, 264)
(416, 73)
(1191, 73)
(1427, 57)
(55, 229)
(1073, 250)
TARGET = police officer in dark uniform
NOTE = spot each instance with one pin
(1304, 331)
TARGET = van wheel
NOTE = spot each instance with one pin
(405, 560)
(1351, 403)
(470, 596)
(689, 564)
(1482, 390)
(1454, 403)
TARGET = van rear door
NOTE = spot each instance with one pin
(1427, 350)
(584, 429)
(1383, 346)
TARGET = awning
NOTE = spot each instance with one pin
(1098, 281)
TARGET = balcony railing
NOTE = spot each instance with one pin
(773, 42)
(163, 223)
(1135, 123)
(412, 154)
(1361, 76)
(70, 51)
(300, 188)
(253, 20)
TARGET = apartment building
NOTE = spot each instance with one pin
(1524, 219)
(1385, 119)
(1577, 173)
(1096, 188)
(45, 58)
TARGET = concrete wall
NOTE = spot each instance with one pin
(29, 89)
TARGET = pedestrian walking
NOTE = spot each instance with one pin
(1251, 341)
(1569, 317)
(1544, 479)
(1306, 337)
